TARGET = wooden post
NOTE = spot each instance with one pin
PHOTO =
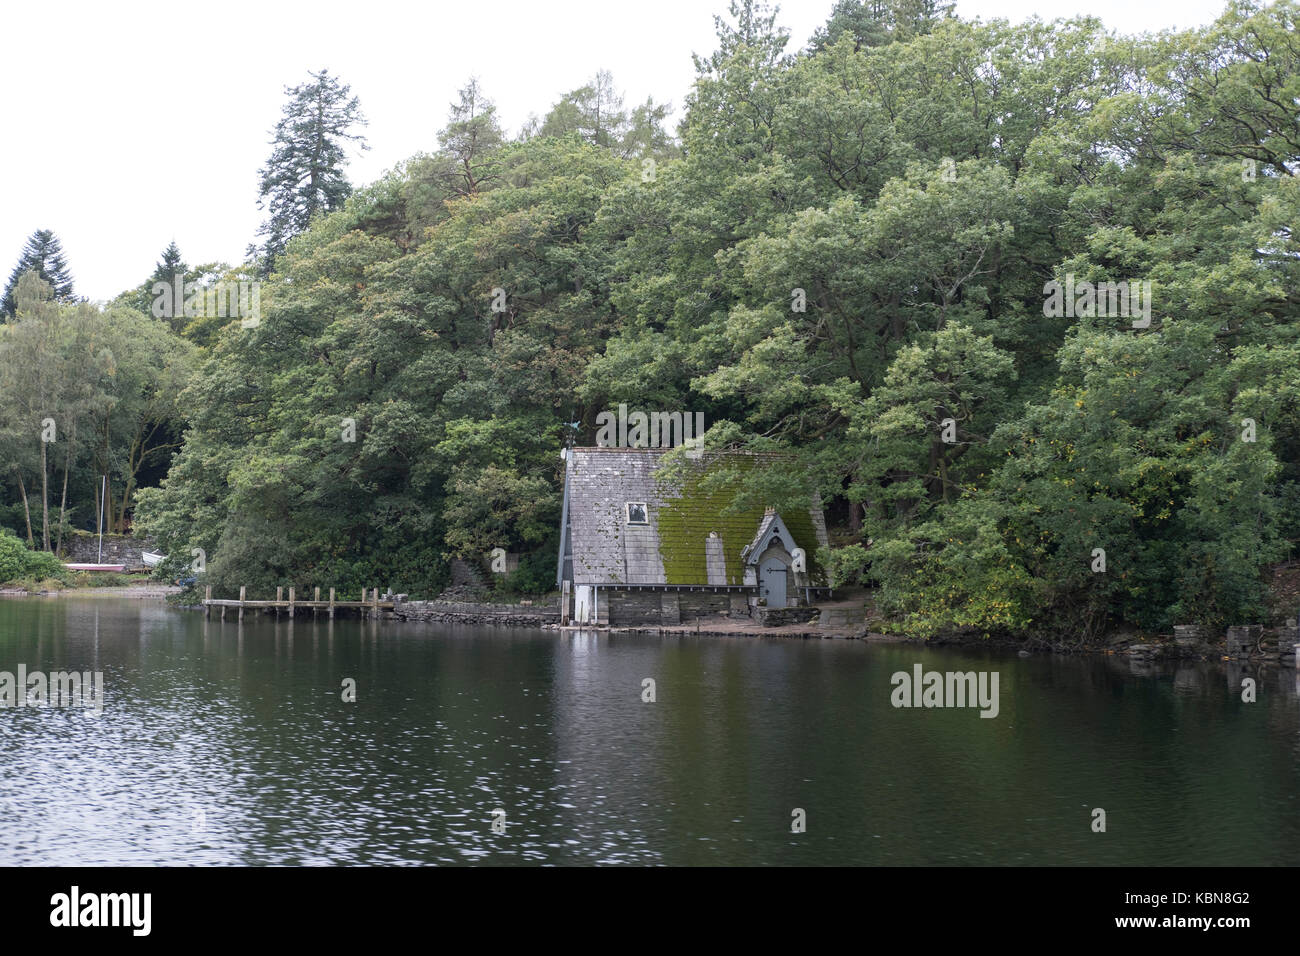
(376, 603)
(207, 601)
(242, 589)
(315, 611)
(279, 596)
(564, 603)
(223, 612)
(291, 602)
(331, 604)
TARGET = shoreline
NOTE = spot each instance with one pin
(1149, 650)
(1274, 645)
(138, 591)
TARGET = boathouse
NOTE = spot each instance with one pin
(636, 549)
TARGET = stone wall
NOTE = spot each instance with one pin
(464, 574)
(636, 608)
(458, 612)
(698, 604)
(83, 548)
(781, 616)
(633, 608)
(1238, 642)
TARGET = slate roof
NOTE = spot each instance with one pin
(670, 550)
(751, 552)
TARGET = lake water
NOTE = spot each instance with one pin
(232, 744)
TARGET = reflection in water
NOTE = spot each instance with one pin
(232, 743)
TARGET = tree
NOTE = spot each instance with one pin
(43, 255)
(450, 408)
(1231, 90)
(32, 363)
(304, 176)
(927, 414)
(864, 20)
(170, 265)
(877, 22)
(171, 270)
(736, 93)
(644, 134)
(594, 110)
(24, 346)
(136, 422)
(471, 140)
(74, 377)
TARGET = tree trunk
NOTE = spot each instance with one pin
(27, 511)
(45, 498)
(931, 481)
(63, 502)
(108, 506)
(126, 495)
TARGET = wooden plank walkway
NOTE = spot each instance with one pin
(368, 607)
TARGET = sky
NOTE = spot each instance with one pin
(130, 125)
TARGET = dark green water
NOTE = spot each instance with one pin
(229, 744)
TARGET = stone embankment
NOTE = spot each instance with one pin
(1241, 642)
(467, 612)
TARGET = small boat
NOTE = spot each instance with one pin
(152, 560)
(94, 567)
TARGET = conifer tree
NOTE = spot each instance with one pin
(304, 176)
(170, 265)
(471, 137)
(44, 255)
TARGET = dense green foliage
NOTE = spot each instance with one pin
(20, 563)
(88, 401)
(845, 257)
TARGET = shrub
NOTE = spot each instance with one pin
(19, 562)
(535, 575)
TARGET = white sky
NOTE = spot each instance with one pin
(132, 124)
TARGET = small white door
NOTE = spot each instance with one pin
(582, 604)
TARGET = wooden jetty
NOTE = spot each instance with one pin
(369, 607)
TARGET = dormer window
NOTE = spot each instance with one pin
(637, 513)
